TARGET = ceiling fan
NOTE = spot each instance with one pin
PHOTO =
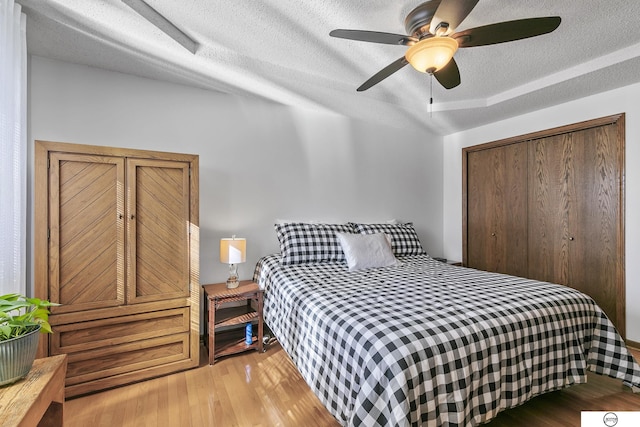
(432, 41)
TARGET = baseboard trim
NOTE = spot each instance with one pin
(633, 344)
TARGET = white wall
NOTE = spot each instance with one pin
(258, 161)
(624, 100)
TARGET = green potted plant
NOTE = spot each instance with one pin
(21, 319)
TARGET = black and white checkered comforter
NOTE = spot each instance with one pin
(426, 343)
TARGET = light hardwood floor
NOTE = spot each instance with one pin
(253, 389)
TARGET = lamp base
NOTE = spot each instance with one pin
(232, 281)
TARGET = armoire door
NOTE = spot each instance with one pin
(158, 221)
(86, 232)
(497, 209)
(574, 213)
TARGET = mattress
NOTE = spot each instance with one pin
(427, 343)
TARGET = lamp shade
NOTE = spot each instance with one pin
(430, 55)
(233, 250)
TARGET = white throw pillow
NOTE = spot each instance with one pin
(367, 250)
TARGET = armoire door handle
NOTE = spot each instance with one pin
(571, 238)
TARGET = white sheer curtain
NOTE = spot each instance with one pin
(13, 148)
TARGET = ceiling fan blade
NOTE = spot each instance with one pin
(506, 31)
(374, 37)
(384, 73)
(449, 75)
(452, 12)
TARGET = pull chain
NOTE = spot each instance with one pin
(430, 95)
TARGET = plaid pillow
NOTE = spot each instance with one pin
(302, 242)
(404, 239)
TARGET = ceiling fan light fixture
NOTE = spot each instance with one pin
(430, 55)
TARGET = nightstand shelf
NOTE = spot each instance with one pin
(227, 342)
(225, 333)
(235, 316)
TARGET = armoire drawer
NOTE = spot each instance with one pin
(109, 332)
(120, 359)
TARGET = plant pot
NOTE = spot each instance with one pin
(17, 356)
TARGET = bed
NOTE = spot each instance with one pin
(416, 341)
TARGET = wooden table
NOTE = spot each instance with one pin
(232, 341)
(37, 399)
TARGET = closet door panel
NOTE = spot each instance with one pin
(594, 220)
(497, 209)
(575, 214)
(479, 248)
(550, 160)
(86, 243)
(159, 221)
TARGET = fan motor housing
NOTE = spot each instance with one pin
(418, 20)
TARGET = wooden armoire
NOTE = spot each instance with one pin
(550, 206)
(116, 244)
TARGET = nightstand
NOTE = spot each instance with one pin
(225, 333)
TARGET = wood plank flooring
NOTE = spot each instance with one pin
(253, 389)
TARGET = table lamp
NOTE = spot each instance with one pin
(233, 252)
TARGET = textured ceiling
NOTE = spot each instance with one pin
(280, 50)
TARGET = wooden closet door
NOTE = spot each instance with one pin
(497, 209)
(575, 214)
(86, 231)
(550, 164)
(158, 250)
(593, 224)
